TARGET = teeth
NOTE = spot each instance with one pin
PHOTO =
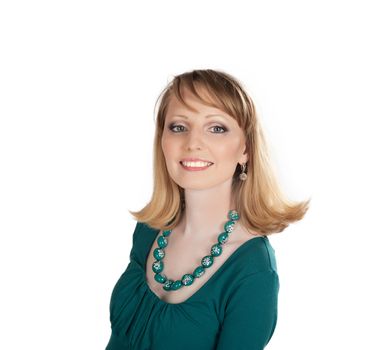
(196, 164)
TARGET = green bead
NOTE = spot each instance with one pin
(207, 261)
(187, 279)
(167, 285)
(229, 226)
(216, 249)
(223, 238)
(199, 271)
(233, 215)
(157, 266)
(160, 278)
(162, 242)
(158, 253)
(166, 233)
(176, 285)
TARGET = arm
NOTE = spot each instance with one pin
(251, 313)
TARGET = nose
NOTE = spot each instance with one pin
(194, 140)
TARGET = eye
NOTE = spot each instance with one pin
(220, 127)
(173, 126)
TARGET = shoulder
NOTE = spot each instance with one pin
(138, 227)
(142, 231)
(256, 255)
(141, 239)
(259, 253)
(257, 279)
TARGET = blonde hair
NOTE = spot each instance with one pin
(262, 206)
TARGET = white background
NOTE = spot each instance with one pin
(78, 84)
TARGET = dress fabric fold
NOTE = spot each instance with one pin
(236, 307)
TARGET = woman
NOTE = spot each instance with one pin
(202, 272)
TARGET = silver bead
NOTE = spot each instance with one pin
(243, 175)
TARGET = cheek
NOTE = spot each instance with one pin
(228, 150)
(168, 147)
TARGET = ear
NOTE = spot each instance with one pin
(244, 157)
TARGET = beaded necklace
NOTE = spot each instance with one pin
(206, 262)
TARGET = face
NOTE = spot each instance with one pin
(208, 135)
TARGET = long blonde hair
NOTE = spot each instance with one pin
(262, 206)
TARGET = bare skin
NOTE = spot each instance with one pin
(182, 257)
(212, 135)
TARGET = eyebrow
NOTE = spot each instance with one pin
(207, 116)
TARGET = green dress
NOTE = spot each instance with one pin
(235, 309)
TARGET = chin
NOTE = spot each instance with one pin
(201, 185)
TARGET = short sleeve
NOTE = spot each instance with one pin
(251, 313)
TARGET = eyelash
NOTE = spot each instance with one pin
(171, 126)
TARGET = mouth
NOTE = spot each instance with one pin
(196, 165)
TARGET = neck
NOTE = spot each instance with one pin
(206, 211)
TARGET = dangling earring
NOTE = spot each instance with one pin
(243, 175)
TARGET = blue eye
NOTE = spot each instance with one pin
(172, 126)
(177, 128)
(220, 127)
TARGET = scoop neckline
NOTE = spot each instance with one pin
(186, 301)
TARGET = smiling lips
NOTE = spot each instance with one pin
(195, 164)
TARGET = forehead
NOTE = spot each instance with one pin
(191, 104)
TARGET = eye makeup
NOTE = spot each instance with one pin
(172, 127)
